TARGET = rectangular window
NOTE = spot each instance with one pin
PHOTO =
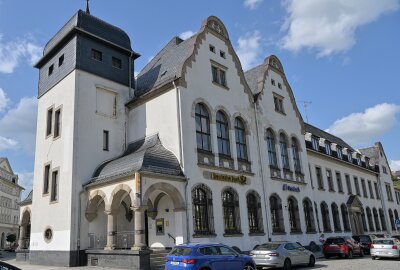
(356, 184)
(272, 81)
(339, 152)
(328, 149)
(384, 170)
(315, 143)
(364, 188)
(51, 69)
(61, 60)
(54, 186)
(339, 181)
(218, 76)
(330, 180)
(348, 183)
(46, 179)
(350, 156)
(116, 62)
(106, 140)
(212, 48)
(367, 162)
(279, 85)
(278, 102)
(371, 192)
(378, 195)
(57, 123)
(97, 55)
(389, 192)
(49, 121)
(320, 181)
(222, 54)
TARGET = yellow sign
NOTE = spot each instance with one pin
(241, 179)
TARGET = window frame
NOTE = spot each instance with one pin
(241, 139)
(46, 178)
(96, 55)
(202, 117)
(116, 62)
(57, 122)
(106, 140)
(55, 183)
(223, 138)
(271, 146)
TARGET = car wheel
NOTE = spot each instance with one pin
(361, 252)
(248, 267)
(350, 254)
(287, 265)
(311, 262)
(373, 258)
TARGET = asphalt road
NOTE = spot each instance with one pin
(365, 263)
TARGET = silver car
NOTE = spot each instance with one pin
(282, 254)
(385, 247)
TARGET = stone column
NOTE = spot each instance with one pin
(111, 230)
(139, 241)
(21, 240)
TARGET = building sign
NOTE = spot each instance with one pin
(290, 188)
(241, 179)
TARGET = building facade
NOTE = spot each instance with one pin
(10, 193)
(192, 150)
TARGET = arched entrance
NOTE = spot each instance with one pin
(25, 230)
(165, 216)
(355, 210)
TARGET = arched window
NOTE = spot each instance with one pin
(276, 214)
(203, 134)
(308, 215)
(203, 223)
(284, 151)
(364, 221)
(296, 155)
(294, 219)
(382, 218)
(230, 205)
(240, 134)
(370, 221)
(273, 161)
(345, 217)
(254, 213)
(391, 218)
(336, 219)
(326, 222)
(396, 215)
(316, 214)
(223, 134)
(376, 219)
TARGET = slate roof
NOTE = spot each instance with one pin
(369, 152)
(28, 199)
(165, 66)
(252, 76)
(145, 155)
(323, 134)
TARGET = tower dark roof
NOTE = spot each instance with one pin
(87, 24)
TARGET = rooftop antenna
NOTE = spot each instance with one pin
(306, 104)
(87, 7)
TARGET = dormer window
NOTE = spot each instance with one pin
(315, 143)
(339, 152)
(61, 60)
(212, 48)
(358, 160)
(328, 149)
(222, 54)
(350, 156)
(279, 85)
(51, 69)
(116, 62)
(97, 55)
(367, 162)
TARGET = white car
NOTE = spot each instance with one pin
(385, 247)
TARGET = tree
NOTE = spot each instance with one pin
(11, 238)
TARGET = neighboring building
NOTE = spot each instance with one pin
(10, 193)
(194, 150)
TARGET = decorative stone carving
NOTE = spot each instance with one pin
(216, 26)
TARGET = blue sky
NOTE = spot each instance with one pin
(341, 55)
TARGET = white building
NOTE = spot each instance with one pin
(10, 193)
(194, 150)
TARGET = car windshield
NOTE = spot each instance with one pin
(362, 238)
(268, 246)
(384, 242)
(334, 241)
(180, 251)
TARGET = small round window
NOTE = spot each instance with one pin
(48, 235)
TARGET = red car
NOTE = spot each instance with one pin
(343, 246)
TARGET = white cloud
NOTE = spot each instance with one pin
(13, 52)
(25, 180)
(6, 143)
(19, 124)
(252, 4)
(365, 127)
(249, 49)
(3, 100)
(394, 165)
(186, 35)
(328, 26)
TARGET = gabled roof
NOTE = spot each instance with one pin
(165, 66)
(252, 77)
(5, 160)
(323, 134)
(145, 155)
(28, 199)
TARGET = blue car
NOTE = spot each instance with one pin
(207, 257)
